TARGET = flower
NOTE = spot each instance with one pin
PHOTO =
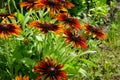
(49, 69)
(21, 78)
(52, 5)
(9, 29)
(47, 27)
(76, 39)
(66, 3)
(68, 20)
(97, 32)
(29, 4)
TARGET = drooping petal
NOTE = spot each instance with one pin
(20, 77)
(59, 66)
(47, 27)
(74, 23)
(97, 32)
(52, 71)
(9, 29)
(76, 39)
(69, 4)
(39, 77)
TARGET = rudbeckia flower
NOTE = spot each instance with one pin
(68, 4)
(9, 29)
(76, 39)
(52, 5)
(29, 4)
(47, 27)
(97, 32)
(21, 78)
(74, 23)
(50, 70)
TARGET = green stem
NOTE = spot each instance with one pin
(15, 5)
(8, 56)
(8, 1)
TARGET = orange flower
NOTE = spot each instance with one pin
(68, 20)
(9, 29)
(52, 5)
(76, 39)
(97, 32)
(47, 27)
(29, 4)
(66, 3)
(21, 78)
(49, 69)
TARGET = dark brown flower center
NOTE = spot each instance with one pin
(94, 30)
(47, 26)
(51, 71)
(75, 38)
(68, 20)
(51, 3)
(5, 27)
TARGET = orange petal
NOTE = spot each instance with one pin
(1, 34)
(69, 4)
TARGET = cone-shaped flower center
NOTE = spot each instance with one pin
(51, 3)
(5, 27)
(94, 30)
(68, 20)
(75, 38)
(51, 71)
(46, 25)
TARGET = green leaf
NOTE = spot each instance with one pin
(88, 52)
(28, 62)
(20, 38)
(26, 19)
(17, 54)
(20, 17)
(39, 37)
(70, 69)
(88, 62)
(83, 72)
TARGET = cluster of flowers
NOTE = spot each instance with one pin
(69, 26)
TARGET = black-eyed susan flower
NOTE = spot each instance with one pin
(48, 69)
(29, 4)
(20, 77)
(52, 5)
(47, 27)
(74, 23)
(76, 39)
(68, 4)
(97, 32)
(9, 29)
